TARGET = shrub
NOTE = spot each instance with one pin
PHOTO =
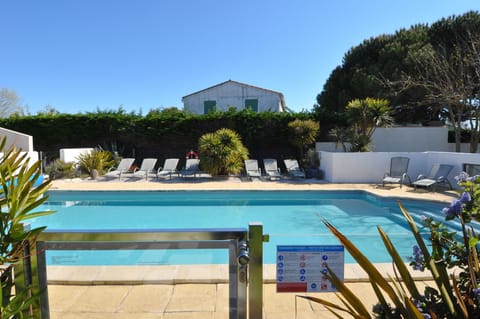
(96, 159)
(303, 133)
(60, 169)
(222, 152)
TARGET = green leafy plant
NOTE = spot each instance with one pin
(303, 133)
(455, 296)
(364, 116)
(222, 152)
(60, 169)
(96, 160)
(22, 190)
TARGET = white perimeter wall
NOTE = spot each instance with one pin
(406, 139)
(370, 167)
(19, 140)
(410, 139)
(68, 155)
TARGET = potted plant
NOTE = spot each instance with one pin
(95, 162)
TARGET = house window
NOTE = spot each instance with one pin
(209, 106)
(251, 104)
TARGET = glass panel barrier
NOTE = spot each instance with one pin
(244, 258)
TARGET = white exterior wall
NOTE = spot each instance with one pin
(405, 139)
(410, 139)
(68, 155)
(232, 94)
(370, 167)
(19, 140)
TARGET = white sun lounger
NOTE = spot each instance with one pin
(252, 169)
(293, 168)
(169, 167)
(271, 168)
(122, 168)
(147, 167)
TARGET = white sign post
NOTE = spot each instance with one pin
(303, 268)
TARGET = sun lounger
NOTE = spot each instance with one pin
(147, 167)
(252, 169)
(169, 167)
(191, 168)
(398, 172)
(122, 168)
(293, 169)
(438, 175)
(271, 168)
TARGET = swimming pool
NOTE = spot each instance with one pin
(289, 217)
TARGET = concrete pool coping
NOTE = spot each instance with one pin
(183, 274)
(213, 273)
(237, 183)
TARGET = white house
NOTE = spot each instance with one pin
(228, 94)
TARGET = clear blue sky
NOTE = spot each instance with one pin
(85, 55)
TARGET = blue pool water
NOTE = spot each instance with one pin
(289, 217)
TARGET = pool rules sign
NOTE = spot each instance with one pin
(303, 268)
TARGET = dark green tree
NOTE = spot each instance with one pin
(448, 70)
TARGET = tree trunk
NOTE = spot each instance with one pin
(474, 139)
(458, 139)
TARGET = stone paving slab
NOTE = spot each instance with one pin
(185, 301)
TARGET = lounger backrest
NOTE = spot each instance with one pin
(291, 165)
(443, 171)
(125, 164)
(398, 166)
(270, 164)
(171, 164)
(251, 165)
(192, 164)
(148, 164)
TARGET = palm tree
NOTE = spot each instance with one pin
(366, 115)
(222, 152)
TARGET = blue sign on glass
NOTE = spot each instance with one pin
(303, 268)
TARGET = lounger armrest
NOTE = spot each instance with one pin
(405, 177)
(421, 176)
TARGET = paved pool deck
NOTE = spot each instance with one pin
(173, 292)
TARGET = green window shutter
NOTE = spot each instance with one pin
(251, 104)
(209, 106)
